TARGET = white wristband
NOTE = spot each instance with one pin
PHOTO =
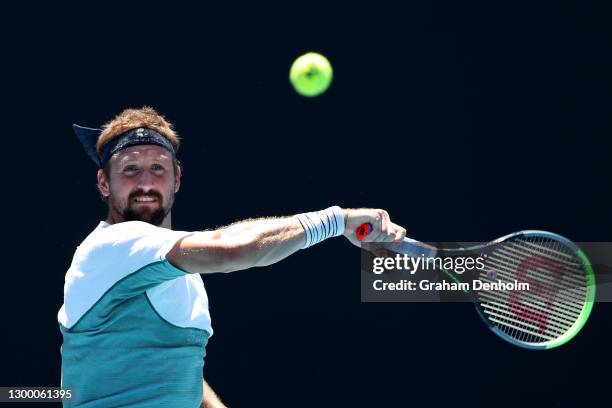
(320, 225)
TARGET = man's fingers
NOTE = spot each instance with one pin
(390, 233)
(383, 226)
(377, 228)
(400, 233)
(386, 231)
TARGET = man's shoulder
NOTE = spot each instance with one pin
(105, 231)
(131, 235)
(128, 226)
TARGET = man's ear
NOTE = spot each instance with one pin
(178, 172)
(103, 184)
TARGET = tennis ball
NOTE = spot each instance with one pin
(311, 74)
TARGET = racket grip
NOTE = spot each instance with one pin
(364, 230)
(407, 246)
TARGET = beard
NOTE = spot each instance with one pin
(156, 217)
(152, 216)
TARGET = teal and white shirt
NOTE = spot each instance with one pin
(134, 326)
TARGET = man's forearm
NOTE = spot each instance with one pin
(266, 241)
(239, 246)
(209, 398)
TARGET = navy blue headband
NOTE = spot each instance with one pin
(139, 136)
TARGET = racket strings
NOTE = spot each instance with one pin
(565, 293)
(537, 318)
(571, 291)
(544, 319)
(554, 302)
(565, 300)
(539, 309)
(570, 263)
(554, 324)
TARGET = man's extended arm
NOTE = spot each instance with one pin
(266, 241)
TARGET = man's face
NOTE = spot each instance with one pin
(142, 184)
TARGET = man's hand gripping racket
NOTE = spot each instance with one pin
(381, 229)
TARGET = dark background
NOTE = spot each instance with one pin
(464, 121)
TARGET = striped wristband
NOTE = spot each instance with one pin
(320, 225)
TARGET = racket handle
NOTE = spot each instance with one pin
(408, 246)
(364, 230)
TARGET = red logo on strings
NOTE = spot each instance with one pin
(547, 290)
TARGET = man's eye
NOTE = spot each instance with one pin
(157, 167)
(130, 169)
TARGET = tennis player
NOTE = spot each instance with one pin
(135, 319)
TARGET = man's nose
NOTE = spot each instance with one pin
(145, 180)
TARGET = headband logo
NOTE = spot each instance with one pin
(140, 132)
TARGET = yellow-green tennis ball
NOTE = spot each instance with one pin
(311, 74)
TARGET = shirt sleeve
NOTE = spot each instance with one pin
(140, 244)
(119, 261)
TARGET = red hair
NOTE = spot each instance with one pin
(129, 119)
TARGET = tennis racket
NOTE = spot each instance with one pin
(558, 272)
